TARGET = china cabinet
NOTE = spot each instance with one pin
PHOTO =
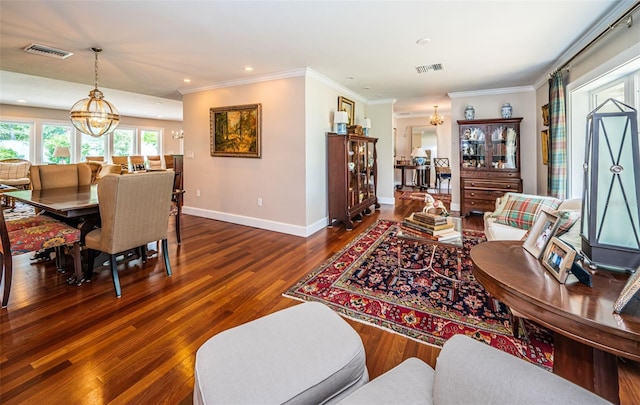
(489, 162)
(352, 171)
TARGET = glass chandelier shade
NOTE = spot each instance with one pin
(436, 119)
(610, 220)
(95, 116)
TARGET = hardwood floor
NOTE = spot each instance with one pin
(81, 345)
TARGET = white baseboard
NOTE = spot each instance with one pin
(281, 227)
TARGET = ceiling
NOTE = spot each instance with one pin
(368, 47)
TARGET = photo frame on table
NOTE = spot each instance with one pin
(236, 131)
(628, 292)
(344, 104)
(541, 233)
(558, 259)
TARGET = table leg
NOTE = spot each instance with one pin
(591, 368)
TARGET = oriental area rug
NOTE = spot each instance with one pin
(423, 290)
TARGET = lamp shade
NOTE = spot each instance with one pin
(340, 117)
(366, 123)
(419, 156)
(61, 151)
(610, 220)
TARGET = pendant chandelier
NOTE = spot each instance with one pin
(436, 119)
(94, 116)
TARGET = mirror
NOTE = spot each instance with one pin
(425, 137)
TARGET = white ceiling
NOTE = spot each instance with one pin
(367, 47)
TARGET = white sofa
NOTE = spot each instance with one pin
(508, 222)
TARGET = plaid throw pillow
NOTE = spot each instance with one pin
(566, 219)
(520, 211)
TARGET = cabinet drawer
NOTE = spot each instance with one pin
(478, 205)
(483, 194)
(501, 184)
(479, 174)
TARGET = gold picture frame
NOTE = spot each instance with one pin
(558, 259)
(544, 140)
(541, 233)
(545, 115)
(344, 104)
(236, 131)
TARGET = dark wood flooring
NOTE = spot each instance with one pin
(81, 345)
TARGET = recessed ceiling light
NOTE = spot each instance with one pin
(248, 68)
(350, 77)
(187, 80)
(423, 41)
(21, 101)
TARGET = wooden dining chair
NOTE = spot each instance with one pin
(94, 158)
(155, 162)
(137, 163)
(443, 172)
(33, 234)
(123, 161)
(168, 161)
(134, 211)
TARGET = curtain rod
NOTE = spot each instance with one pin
(627, 18)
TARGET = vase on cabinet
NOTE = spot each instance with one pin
(469, 113)
(506, 110)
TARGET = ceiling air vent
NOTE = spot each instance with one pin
(426, 68)
(47, 51)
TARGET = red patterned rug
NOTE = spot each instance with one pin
(422, 290)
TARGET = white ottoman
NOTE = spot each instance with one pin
(306, 354)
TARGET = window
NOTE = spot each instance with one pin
(123, 142)
(150, 142)
(92, 146)
(621, 83)
(15, 138)
(52, 137)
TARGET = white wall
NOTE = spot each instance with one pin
(381, 115)
(230, 186)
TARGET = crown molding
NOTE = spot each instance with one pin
(251, 80)
(488, 92)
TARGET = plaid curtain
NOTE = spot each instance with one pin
(557, 176)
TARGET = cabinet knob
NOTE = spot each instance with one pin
(472, 203)
(508, 185)
(473, 194)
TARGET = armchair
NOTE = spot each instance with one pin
(134, 210)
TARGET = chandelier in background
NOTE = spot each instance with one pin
(436, 119)
(94, 116)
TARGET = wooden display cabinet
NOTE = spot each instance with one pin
(352, 173)
(489, 162)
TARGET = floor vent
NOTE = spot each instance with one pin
(426, 68)
(47, 51)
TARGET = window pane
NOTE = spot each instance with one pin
(53, 136)
(150, 143)
(123, 142)
(616, 92)
(91, 146)
(14, 140)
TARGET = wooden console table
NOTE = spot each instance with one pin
(587, 334)
(423, 174)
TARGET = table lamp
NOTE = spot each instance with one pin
(341, 118)
(419, 156)
(61, 152)
(366, 126)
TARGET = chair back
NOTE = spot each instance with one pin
(123, 161)
(168, 161)
(155, 162)
(441, 162)
(137, 163)
(134, 209)
(94, 158)
(45, 177)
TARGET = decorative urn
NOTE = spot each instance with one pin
(506, 110)
(469, 113)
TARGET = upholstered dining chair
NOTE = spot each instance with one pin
(134, 210)
(155, 162)
(94, 158)
(30, 235)
(137, 163)
(168, 161)
(443, 172)
(44, 177)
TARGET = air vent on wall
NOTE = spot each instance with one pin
(47, 51)
(426, 68)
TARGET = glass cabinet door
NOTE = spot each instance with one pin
(472, 148)
(360, 161)
(504, 148)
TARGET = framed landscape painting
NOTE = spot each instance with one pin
(344, 104)
(236, 131)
